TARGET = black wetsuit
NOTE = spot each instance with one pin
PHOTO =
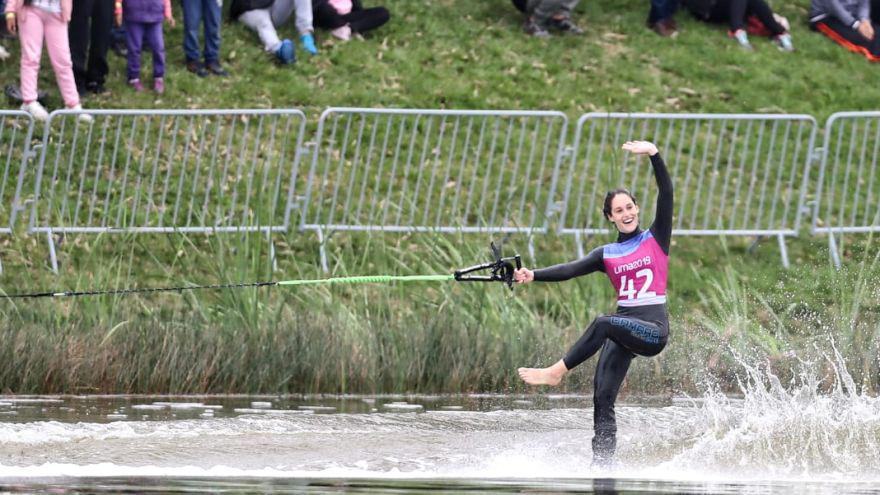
(633, 330)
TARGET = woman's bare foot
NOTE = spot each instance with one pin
(544, 376)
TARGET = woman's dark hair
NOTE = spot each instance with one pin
(610, 196)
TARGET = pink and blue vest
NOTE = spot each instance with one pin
(638, 269)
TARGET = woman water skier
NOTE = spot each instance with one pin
(637, 267)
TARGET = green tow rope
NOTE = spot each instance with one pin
(374, 279)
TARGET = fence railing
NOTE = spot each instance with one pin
(433, 170)
(16, 130)
(735, 174)
(168, 171)
(848, 193)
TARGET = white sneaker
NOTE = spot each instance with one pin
(83, 117)
(3, 53)
(343, 32)
(36, 110)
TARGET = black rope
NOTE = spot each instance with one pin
(32, 295)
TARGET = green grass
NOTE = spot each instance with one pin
(725, 299)
(462, 54)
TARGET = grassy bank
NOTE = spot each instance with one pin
(464, 54)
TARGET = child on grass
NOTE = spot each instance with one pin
(35, 21)
(346, 17)
(143, 22)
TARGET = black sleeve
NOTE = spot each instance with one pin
(564, 271)
(662, 226)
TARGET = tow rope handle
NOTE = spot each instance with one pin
(500, 270)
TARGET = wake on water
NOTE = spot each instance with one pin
(800, 431)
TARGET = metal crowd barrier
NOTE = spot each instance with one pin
(433, 170)
(16, 130)
(733, 174)
(848, 196)
(168, 171)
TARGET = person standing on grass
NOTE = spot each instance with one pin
(265, 16)
(545, 15)
(848, 23)
(737, 13)
(195, 14)
(90, 25)
(637, 266)
(661, 18)
(346, 17)
(36, 22)
(143, 22)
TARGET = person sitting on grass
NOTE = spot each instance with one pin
(848, 23)
(346, 17)
(545, 15)
(265, 16)
(741, 15)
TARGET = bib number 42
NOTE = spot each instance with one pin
(628, 286)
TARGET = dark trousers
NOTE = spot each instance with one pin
(849, 38)
(89, 34)
(621, 339)
(735, 12)
(360, 21)
(196, 13)
(136, 33)
(662, 9)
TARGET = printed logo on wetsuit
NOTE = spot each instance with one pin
(644, 332)
(637, 269)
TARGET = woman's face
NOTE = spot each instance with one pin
(624, 213)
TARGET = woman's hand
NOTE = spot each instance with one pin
(10, 24)
(640, 147)
(866, 29)
(523, 276)
(171, 21)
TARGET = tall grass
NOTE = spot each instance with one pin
(419, 337)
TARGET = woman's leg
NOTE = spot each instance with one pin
(134, 39)
(365, 20)
(260, 20)
(849, 38)
(736, 14)
(58, 46)
(154, 37)
(610, 371)
(762, 11)
(30, 32)
(327, 17)
(636, 336)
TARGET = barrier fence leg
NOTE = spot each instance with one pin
(783, 251)
(531, 247)
(832, 247)
(580, 244)
(273, 262)
(52, 258)
(323, 252)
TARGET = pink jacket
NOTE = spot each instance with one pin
(342, 6)
(15, 6)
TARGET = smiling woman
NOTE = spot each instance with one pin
(637, 266)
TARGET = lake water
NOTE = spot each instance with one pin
(772, 439)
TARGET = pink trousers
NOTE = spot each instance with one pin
(34, 25)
